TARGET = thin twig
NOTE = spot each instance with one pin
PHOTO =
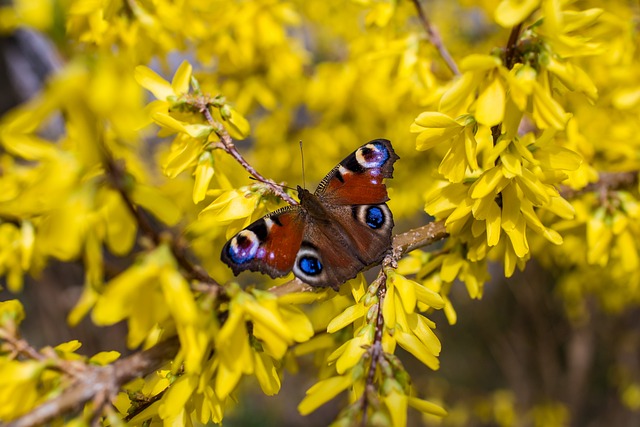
(510, 50)
(229, 147)
(435, 39)
(375, 351)
(607, 181)
(118, 177)
(509, 61)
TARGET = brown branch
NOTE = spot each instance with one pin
(229, 147)
(435, 39)
(607, 181)
(509, 61)
(98, 381)
(512, 43)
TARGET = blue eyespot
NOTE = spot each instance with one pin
(243, 247)
(310, 265)
(374, 217)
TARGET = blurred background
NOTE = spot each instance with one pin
(552, 345)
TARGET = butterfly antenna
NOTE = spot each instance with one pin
(304, 181)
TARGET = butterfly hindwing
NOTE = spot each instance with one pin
(368, 227)
(326, 258)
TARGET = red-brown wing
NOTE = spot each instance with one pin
(358, 179)
(268, 245)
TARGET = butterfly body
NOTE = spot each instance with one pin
(333, 234)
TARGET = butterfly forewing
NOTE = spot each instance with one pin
(268, 245)
(357, 180)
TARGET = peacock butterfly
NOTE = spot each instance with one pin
(333, 234)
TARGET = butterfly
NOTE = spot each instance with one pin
(333, 234)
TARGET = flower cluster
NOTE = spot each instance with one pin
(503, 128)
(382, 316)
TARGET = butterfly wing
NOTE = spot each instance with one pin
(358, 179)
(368, 228)
(353, 194)
(269, 245)
(333, 234)
(325, 257)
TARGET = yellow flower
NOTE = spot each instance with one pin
(171, 97)
(436, 128)
(159, 87)
(274, 326)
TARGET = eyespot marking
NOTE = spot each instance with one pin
(243, 247)
(310, 265)
(372, 155)
(374, 217)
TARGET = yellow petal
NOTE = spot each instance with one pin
(457, 97)
(547, 112)
(479, 62)
(493, 223)
(322, 392)
(509, 13)
(348, 316)
(148, 79)
(182, 78)
(352, 353)
(267, 374)
(267, 316)
(193, 130)
(427, 407)
(388, 307)
(425, 333)
(429, 297)
(556, 157)
(104, 358)
(396, 403)
(204, 173)
(518, 237)
(406, 290)
(512, 165)
(490, 104)
(533, 189)
(433, 119)
(177, 396)
(414, 346)
(239, 126)
(510, 208)
(487, 183)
